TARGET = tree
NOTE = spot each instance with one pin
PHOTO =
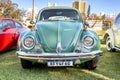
(93, 16)
(88, 11)
(10, 9)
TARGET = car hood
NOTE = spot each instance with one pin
(63, 34)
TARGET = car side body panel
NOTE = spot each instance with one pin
(113, 33)
(109, 33)
(9, 34)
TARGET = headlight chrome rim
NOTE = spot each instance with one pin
(89, 44)
(24, 42)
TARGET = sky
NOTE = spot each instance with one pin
(97, 6)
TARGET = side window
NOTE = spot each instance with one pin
(18, 25)
(8, 23)
(4, 23)
(117, 22)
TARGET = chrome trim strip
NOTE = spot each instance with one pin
(53, 56)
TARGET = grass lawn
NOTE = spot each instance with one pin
(108, 69)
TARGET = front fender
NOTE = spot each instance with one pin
(23, 35)
(109, 33)
(96, 45)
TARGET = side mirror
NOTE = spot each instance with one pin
(85, 24)
(32, 22)
(32, 25)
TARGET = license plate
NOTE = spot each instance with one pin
(60, 63)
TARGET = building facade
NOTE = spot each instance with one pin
(81, 5)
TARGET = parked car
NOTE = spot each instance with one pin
(112, 36)
(9, 32)
(60, 39)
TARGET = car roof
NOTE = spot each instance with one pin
(15, 20)
(10, 19)
(59, 7)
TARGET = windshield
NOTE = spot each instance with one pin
(59, 14)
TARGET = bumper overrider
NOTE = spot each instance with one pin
(58, 56)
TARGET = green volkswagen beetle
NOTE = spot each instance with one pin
(60, 39)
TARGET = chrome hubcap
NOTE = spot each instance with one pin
(108, 44)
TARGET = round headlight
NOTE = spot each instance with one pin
(28, 42)
(88, 41)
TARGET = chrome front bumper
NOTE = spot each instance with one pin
(58, 56)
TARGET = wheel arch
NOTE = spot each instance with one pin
(105, 37)
(109, 33)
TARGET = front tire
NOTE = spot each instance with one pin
(26, 64)
(92, 64)
(109, 45)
